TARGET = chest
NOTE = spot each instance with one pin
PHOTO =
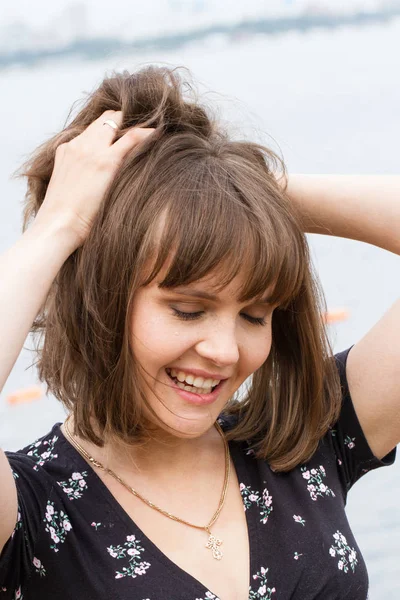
(185, 546)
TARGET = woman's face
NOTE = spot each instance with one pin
(190, 337)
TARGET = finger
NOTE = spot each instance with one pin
(114, 115)
(130, 139)
(111, 123)
(97, 130)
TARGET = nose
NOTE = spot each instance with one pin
(220, 346)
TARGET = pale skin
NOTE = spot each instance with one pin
(222, 341)
(364, 208)
(225, 338)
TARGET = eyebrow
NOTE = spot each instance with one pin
(207, 296)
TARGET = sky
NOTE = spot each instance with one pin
(32, 12)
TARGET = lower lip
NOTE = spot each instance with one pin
(199, 399)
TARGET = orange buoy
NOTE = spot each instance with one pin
(25, 395)
(336, 315)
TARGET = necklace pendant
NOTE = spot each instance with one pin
(213, 544)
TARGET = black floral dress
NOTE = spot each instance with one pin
(73, 540)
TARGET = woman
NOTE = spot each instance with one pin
(166, 264)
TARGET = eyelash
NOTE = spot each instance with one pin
(196, 315)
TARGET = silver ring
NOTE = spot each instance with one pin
(111, 123)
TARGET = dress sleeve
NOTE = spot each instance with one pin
(355, 457)
(18, 556)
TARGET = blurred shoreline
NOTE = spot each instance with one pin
(96, 48)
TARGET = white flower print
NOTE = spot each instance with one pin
(39, 568)
(57, 525)
(75, 486)
(299, 519)
(347, 556)
(263, 592)
(251, 497)
(43, 451)
(349, 442)
(18, 594)
(315, 486)
(131, 549)
(209, 596)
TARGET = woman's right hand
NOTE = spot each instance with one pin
(83, 170)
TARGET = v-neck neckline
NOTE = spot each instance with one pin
(238, 460)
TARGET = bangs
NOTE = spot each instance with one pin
(208, 230)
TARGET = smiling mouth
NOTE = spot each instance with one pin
(183, 385)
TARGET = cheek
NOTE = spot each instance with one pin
(156, 339)
(258, 350)
(148, 335)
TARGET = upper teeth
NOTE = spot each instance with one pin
(199, 382)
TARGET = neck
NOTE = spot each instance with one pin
(163, 456)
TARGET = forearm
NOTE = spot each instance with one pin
(27, 271)
(359, 207)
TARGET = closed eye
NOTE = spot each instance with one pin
(254, 320)
(191, 316)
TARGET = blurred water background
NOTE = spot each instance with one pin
(329, 102)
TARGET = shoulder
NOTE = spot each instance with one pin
(39, 453)
(48, 474)
(41, 463)
(38, 471)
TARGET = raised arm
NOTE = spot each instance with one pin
(83, 170)
(27, 270)
(364, 208)
(359, 207)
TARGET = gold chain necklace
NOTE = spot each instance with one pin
(213, 543)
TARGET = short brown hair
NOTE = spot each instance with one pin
(223, 209)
